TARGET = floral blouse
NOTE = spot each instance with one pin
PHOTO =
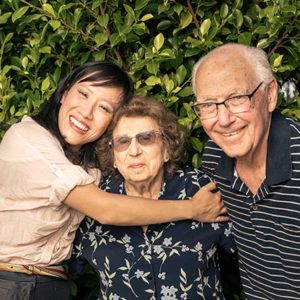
(169, 261)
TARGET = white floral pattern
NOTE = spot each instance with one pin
(170, 261)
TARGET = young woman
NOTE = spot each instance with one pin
(47, 184)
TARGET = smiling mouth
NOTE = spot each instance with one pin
(78, 125)
(231, 133)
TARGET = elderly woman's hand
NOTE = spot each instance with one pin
(208, 205)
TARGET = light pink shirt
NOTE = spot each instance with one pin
(35, 178)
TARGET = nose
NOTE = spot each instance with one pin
(86, 110)
(134, 147)
(225, 117)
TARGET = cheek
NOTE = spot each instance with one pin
(102, 121)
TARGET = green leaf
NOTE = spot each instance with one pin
(238, 18)
(224, 11)
(152, 67)
(263, 43)
(101, 38)
(129, 10)
(45, 84)
(163, 25)
(7, 38)
(186, 91)
(45, 49)
(153, 80)
(196, 160)
(19, 13)
(103, 20)
(139, 4)
(115, 39)
(245, 38)
(49, 9)
(180, 74)
(159, 41)
(277, 61)
(185, 19)
(24, 62)
(55, 24)
(146, 17)
(5, 17)
(197, 145)
(205, 26)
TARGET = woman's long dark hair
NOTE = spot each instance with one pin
(103, 73)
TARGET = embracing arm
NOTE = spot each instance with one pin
(115, 209)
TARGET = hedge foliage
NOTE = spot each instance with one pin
(156, 41)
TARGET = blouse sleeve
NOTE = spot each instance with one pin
(30, 153)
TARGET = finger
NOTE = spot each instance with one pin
(223, 210)
(222, 219)
(210, 186)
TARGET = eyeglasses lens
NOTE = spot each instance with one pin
(143, 138)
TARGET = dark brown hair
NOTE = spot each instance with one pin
(174, 135)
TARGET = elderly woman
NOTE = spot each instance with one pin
(142, 151)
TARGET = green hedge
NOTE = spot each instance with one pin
(156, 41)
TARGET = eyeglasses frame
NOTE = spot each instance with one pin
(250, 96)
(156, 132)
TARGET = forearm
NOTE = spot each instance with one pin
(125, 210)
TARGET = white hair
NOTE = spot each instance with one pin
(255, 56)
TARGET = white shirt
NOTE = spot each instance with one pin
(36, 227)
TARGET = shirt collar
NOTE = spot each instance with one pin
(279, 166)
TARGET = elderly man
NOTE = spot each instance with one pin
(254, 156)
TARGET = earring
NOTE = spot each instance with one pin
(115, 165)
(166, 158)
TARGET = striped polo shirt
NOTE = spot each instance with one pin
(266, 226)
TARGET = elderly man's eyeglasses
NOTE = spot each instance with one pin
(146, 138)
(236, 104)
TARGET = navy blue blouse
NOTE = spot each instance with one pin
(169, 261)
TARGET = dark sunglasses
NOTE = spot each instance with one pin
(146, 138)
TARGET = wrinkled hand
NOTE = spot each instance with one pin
(208, 205)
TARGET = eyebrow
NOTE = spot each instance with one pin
(211, 99)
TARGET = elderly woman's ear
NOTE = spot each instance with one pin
(166, 155)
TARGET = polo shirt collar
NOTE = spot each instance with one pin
(279, 166)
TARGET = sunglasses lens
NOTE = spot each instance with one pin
(146, 138)
(121, 143)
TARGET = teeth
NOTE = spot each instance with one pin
(231, 133)
(78, 124)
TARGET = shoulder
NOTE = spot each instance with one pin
(27, 139)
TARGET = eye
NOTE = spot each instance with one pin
(237, 100)
(124, 140)
(146, 138)
(83, 94)
(105, 108)
(207, 105)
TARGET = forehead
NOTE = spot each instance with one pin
(133, 125)
(223, 73)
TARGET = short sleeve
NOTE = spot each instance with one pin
(44, 172)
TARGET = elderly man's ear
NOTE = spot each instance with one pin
(272, 91)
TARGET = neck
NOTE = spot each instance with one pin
(252, 169)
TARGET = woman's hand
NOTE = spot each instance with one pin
(208, 205)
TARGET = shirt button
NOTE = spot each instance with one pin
(254, 207)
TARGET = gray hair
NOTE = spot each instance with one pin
(255, 56)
